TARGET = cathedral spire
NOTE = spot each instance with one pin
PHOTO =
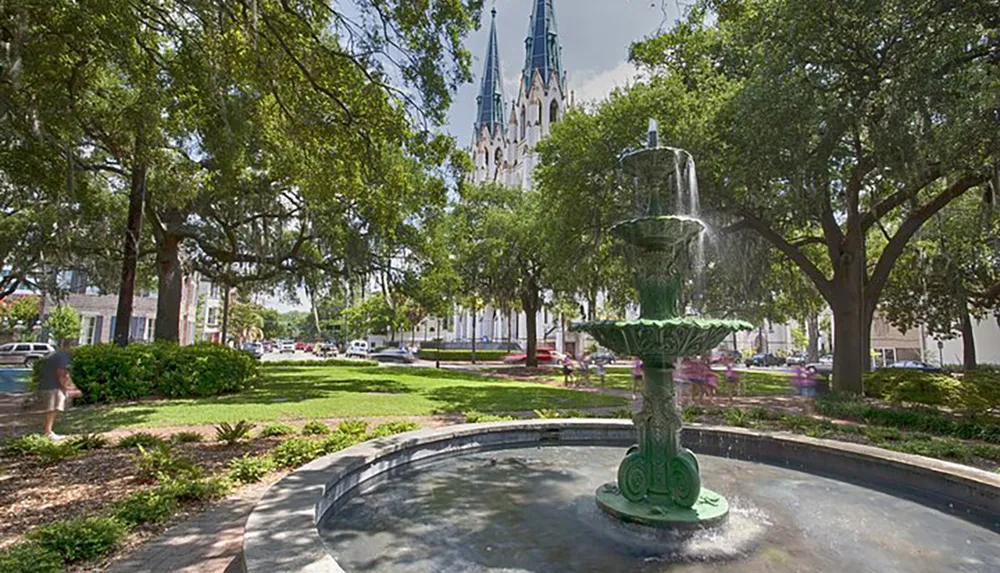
(490, 102)
(542, 49)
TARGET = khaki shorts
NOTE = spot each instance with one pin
(52, 400)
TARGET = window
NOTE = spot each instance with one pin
(213, 316)
(42, 347)
(7, 348)
(87, 327)
(498, 159)
(553, 112)
(524, 123)
(538, 118)
(22, 348)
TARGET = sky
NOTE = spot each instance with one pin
(595, 37)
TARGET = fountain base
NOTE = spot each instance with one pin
(710, 510)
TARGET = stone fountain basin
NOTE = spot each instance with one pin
(281, 533)
(662, 232)
(673, 337)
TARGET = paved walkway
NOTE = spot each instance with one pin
(209, 542)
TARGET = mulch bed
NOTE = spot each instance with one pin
(34, 494)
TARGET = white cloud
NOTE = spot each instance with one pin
(595, 85)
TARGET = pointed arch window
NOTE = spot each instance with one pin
(553, 112)
(524, 123)
(539, 116)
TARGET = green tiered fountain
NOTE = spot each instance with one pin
(658, 482)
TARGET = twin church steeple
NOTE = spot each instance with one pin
(505, 137)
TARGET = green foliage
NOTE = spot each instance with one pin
(63, 323)
(987, 451)
(391, 428)
(89, 442)
(144, 439)
(315, 428)
(108, 373)
(186, 488)
(621, 413)
(547, 414)
(30, 557)
(479, 417)
(276, 429)
(904, 385)
(338, 441)
(295, 452)
(461, 355)
(147, 506)
(81, 539)
(39, 446)
(186, 437)
(18, 312)
(353, 427)
(738, 417)
(913, 419)
(233, 433)
(160, 462)
(250, 469)
(880, 435)
(942, 448)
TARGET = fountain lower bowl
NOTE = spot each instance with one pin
(672, 337)
(281, 533)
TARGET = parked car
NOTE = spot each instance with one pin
(723, 356)
(544, 356)
(24, 353)
(254, 349)
(395, 356)
(302, 347)
(286, 347)
(915, 365)
(357, 349)
(603, 357)
(326, 349)
(797, 360)
(765, 360)
(824, 367)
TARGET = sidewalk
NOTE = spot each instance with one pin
(209, 542)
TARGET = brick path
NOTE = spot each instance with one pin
(210, 542)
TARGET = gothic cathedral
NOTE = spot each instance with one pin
(503, 148)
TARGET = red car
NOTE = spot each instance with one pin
(544, 355)
(302, 347)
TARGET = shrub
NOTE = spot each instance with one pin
(392, 428)
(913, 386)
(81, 539)
(233, 433)
(89, 442)
(41, 447)
(947, 448)
(880, 435)
(295, 452)
(149, 506)
(987, 451)
(109, 373)
(546, 414)
(275, 430)
(338, 441)
(765, 414)
(30, 557)
(353, 427)
(187, 489)
(160, 462)
(144, 439)
(622, 413)
(916, 419)
(478, 418)
(462, 355)
(315, 428)
(186, 437)
(737, 417)
(250, 469)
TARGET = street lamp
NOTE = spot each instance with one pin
(941, 353)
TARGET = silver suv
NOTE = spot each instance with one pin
(24, 353)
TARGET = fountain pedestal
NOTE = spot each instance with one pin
(659, 483)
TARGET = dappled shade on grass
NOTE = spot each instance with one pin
(290, 392)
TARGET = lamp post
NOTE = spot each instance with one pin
(941, 353)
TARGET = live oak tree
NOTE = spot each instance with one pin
(822, 124)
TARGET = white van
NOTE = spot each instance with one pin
(357, 349)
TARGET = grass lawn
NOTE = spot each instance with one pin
(297, 392)
(755, 383)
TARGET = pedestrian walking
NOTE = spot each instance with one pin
(55, 389)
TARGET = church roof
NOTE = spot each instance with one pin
(490, 112)
(542, 49)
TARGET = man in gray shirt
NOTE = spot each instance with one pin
(53, 388)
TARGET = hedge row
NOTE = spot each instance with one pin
(462, 355)
(109, 373)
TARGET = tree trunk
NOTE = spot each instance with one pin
(531, 322)
(849, 341)
(225, 314)
(968, 340)
(510, 329)
(130, 263)
(812, 329)
(473, 331)
(170, 289)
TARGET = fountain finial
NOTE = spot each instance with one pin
(654, 138)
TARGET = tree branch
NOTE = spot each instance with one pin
(898, 198)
